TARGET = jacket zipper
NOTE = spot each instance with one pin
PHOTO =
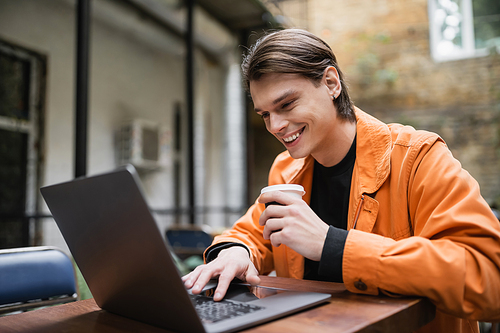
(359, 210)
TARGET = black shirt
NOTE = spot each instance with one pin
(330, 201)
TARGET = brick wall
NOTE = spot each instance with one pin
(383, 49)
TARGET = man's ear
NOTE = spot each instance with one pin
(332, 81)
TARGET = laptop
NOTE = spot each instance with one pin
(129, 268)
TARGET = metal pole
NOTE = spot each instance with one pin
(82, 82)
(177, 163)
(190, 106)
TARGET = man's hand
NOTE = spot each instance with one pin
(230, 263)
(294, 224)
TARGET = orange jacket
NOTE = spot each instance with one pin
(417, 226)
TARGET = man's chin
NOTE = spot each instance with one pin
(296, 155)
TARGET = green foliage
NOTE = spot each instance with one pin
(83, 289)
(486, 23)
(369, 64)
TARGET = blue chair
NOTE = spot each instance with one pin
(189, 241)
(34, 277)
(188, 245)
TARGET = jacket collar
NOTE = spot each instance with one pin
(373, 152)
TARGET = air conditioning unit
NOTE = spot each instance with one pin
(145, 145)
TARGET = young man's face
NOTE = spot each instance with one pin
(299, 114)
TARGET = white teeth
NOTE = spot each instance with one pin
(291, 138)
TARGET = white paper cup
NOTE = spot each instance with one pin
(292, 189)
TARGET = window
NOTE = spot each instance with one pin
(464, 28)
(20, 103)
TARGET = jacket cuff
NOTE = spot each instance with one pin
(361, 262)
(213, 251)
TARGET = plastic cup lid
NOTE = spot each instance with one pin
(283, 187)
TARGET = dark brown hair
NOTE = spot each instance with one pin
(295, 51)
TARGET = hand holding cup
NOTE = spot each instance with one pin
(289, 220)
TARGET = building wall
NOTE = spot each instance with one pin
(137, 71)
(383, 49)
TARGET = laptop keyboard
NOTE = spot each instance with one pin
(212, 312)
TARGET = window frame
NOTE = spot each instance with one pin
(468, 49)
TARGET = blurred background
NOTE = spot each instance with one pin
(87, 86)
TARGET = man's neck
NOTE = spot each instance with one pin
(343, 138)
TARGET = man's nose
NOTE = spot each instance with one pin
(276, 123)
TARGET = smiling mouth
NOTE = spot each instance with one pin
(294, 137)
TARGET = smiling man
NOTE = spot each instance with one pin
(387, 208)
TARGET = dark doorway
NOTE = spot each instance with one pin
(14, 228)
(22, 74)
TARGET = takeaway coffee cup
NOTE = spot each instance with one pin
(292, 189)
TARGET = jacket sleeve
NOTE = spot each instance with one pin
(248, 232)
(453, 257)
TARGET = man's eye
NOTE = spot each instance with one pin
(264, 115)
(286, 105)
